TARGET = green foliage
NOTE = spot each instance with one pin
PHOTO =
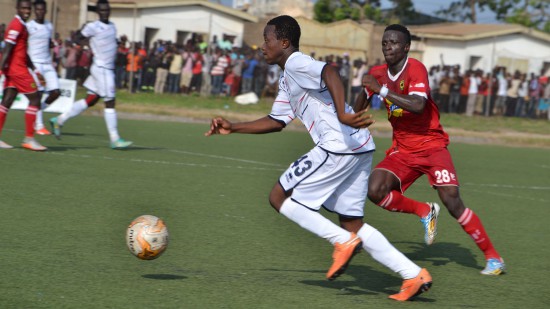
(323, 11)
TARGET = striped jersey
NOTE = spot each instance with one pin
(40, 36)
(303, 95)
(103, 41)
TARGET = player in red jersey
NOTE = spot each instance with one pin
(15, 64)
(419, 146)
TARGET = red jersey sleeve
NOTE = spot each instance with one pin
(15, 28)
(418, 83)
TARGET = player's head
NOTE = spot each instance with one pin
(40, 10)
(24, 9)
(281, 38)
(396, 43)
(103, 9)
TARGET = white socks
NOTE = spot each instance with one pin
(77, 108)
(382, 251)
(111, 122)
(39, 122)
(314, 222)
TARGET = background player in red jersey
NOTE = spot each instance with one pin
(15, 65)
(419, 146)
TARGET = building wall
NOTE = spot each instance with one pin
(516, 51)
(170, 20)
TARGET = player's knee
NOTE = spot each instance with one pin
(92, 99)
(377, 192)
(110, 104)
(54, 95)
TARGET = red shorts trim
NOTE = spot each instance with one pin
(23, 83)
(437, 165)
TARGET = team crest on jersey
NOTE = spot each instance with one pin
(402, 85)
(393, 110)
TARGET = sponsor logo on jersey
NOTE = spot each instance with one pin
(393, 110)
(402, 84)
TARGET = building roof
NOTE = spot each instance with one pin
(145, 4)
(467, 32)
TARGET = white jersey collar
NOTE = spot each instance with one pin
(396, 76)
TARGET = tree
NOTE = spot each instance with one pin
(326, 11)
(529, 13)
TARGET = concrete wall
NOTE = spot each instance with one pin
(170, 20)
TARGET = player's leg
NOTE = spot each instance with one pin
(472, 225)
(111, 122)
(8, 97)
(389, 179)
(76, 109)
(301, 191)
(30, 118)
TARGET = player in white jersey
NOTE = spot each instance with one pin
(40, 42)
(101, 82)
(334, 174)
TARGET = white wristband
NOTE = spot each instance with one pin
(383, 91)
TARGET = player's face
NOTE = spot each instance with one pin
(394, 47)
(24, 10)
(272, 48)
(40, 12)
(103, 10)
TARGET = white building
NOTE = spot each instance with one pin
(483, 46)
(148, 21)
(266, 8)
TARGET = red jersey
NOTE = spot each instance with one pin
(411, 132)
(17, 35)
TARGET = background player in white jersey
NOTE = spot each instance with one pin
(334, 174)
(101, 82)
(40, 42)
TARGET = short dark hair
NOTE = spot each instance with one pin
(40, 2)
(402, 29)
(286, 27)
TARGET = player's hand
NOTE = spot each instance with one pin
(359, 120)
(370, 82)
(41, 78)
(219, 125)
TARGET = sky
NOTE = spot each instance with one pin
(426, 6)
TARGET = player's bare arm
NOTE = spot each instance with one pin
(412, 103)
(334, 84)
(5, 55)
(222, 126)
(362, 103)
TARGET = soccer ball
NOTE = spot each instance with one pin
(147, 237)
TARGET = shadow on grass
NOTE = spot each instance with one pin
(440, 254)
(164, 277)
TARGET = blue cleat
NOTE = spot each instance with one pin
(430, 223)
(56, 127)
(494, 267)
(120, 144)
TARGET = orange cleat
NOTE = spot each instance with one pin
(342, 255)
(413, 287)
(31, 144)
(43, 131)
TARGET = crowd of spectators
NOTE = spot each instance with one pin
(218, 68)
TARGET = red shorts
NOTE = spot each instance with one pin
(23, 82)
(437, 164)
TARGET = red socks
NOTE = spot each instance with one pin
(3, 114)
(30, 118)
(395, 201)
(472, 225)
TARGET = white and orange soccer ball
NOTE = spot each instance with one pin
(147, 237)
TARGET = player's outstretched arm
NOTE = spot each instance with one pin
(222, 126)
(412, 103)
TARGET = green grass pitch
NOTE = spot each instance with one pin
(65, 213)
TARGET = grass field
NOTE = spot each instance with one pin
(65, 212)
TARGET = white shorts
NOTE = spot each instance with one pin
(50, 77)
(101, 82)
(339, 183)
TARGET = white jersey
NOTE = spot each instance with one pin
(303, 95)
(103, 43)
(40, 36)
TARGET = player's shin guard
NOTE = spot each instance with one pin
(77, 108)
(396, 201)
(472, 225)
(111, 121)
(3, 114)
(314, 222)
(385, 253)
(30, 118)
